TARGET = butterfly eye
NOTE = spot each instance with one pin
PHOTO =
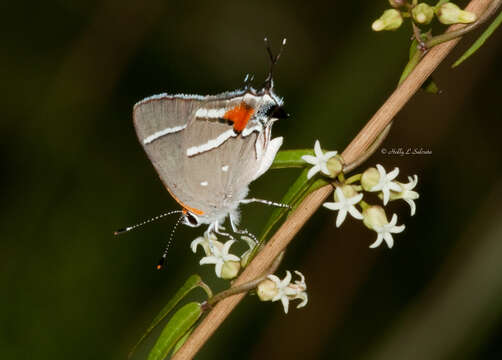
(277, 112)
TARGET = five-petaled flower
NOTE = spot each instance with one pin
(205, 241)
(385, 232)
(285, 291)
(345, 204)
(320, 160)
(407, 193)
(219, 255)
(385, 183)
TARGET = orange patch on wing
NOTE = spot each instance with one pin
(239, 115)
(185, 207)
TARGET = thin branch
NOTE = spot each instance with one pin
(450, 35)
(370, 151)
(313, 201)
(447, 36)
(250, 285)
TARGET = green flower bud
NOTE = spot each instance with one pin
(374, 216)
(230, 269)
(422, 13)
(390, 20)
(370, 178)
(267, 290)
(397, 3)
(450, 13)
(335, 166)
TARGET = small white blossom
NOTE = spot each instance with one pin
(385, 183)
(251, 244)
(344, 205)
(218, 256)
(287, 291)
(320, 160)
(204, 241)
(385, 232)
(408, 194)
(301, 290)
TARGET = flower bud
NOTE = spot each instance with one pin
(422, 13)
(348, 192)
(390, 20)
(370, 178)
(397, 3)
(374, 217)
(450, 13)
(267, 290)
(230, 269)
(334, 166)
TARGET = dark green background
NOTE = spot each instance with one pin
(73, 171)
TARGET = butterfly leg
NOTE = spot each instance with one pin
(243, 231)
(217, 229)
(266, 202)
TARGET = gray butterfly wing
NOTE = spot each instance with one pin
(210, 182)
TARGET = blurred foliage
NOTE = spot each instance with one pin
(73, 172)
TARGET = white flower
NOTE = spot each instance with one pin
(385, 232)
(219, 256)
(320, 160)
(301, 290)
(287, 291)
(408, 194)
(344, 205)
(385, 183)
(251, 244)
(204, 242)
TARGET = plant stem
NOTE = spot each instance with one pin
(313, 201)
(450, 35)
(447, 36)
(353, 178)
(250, 285)
(412, 63)
(207, 289)
(369, 151)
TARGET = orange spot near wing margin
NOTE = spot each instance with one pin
(239, 115)
(184, 206)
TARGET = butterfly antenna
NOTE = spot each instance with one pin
(269, 81)
(162, 260)
(129, 228)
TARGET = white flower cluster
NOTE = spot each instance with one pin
(348, 195)
(227, 265)
(275, 289)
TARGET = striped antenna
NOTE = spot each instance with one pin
(129, 228)
(162, 261)
(269, 81)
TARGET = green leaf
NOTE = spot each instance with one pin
(414, 60)
(294, 192)
(176, 328)
(413, 48)
(430, 86)
(191, 283)
(480, 41)
(290, 158)
(182, 341)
